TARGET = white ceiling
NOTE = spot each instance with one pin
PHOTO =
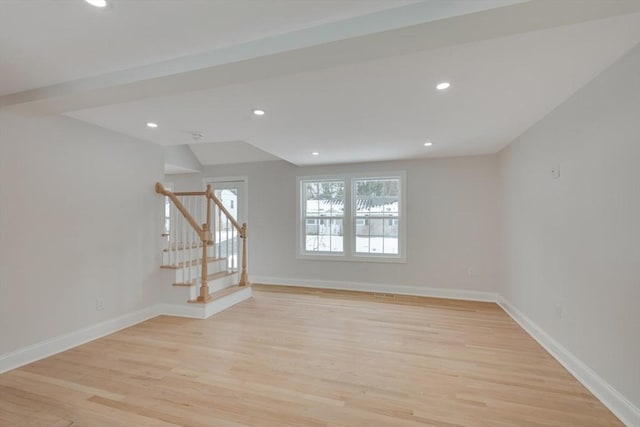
(228, 152)
(386, 109)
(43, 42)
(355, 88)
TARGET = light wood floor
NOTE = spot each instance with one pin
(307, 359)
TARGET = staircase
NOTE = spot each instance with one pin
(204, 258)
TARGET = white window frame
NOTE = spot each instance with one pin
(302, 219)
(349, 219)
(243, 181)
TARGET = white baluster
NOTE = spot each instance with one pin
(219, 232)
(187, 266)
(234, 249)
(172, 232)
(192, 241)
(227, 242)
(195, 240)
(183, 232)
(176, 243)
(198, 209)
(202, 221)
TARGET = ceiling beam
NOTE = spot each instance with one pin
(416, 27)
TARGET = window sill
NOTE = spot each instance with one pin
(351, 258)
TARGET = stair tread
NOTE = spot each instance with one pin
(226, 291)
(182, 246)
(186, 264)
(210, 277)
(221, 274)
(221, 293)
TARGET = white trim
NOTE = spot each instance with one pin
(204, 311)
(192, 311)
(621, 407)
(245, 190)
(213, 179)
(225, 302)
(73, 339)
(626, 411)
(348, 219)
(380, 288)
(64, 342)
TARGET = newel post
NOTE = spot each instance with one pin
(244, 281)
(205, 237)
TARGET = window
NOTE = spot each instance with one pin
(376, 202)
(323, 212)
(352, 217)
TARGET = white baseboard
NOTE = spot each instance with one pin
(381, 288)
(626, 411)
(61, 343)
(55, 345)
(228, 301)
(204, 311)
(610, 397)
(193, 311)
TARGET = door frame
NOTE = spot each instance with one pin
(244, 180)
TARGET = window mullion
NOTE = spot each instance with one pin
(348, 219)
(378, 220)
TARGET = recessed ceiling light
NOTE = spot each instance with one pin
(428, 144)
(97, 3)
(258, 112)
(152, 125)
(443, 85)
(315, 153)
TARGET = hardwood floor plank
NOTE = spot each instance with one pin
(308, 357)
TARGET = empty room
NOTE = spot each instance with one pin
(388, 213)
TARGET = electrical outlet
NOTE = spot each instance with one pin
(99, 304)
(555, 171)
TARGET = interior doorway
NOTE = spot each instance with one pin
(232, 192)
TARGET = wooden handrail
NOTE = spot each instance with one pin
(205, 232)
(209, 194)
(242, 232)
(161, 190)
(224, 210)
(190, 193)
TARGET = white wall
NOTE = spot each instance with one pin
(575, 241)
(453, 221)
(180, 159)
(79, 220)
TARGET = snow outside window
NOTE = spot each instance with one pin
(323, 211)
(351, 217)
